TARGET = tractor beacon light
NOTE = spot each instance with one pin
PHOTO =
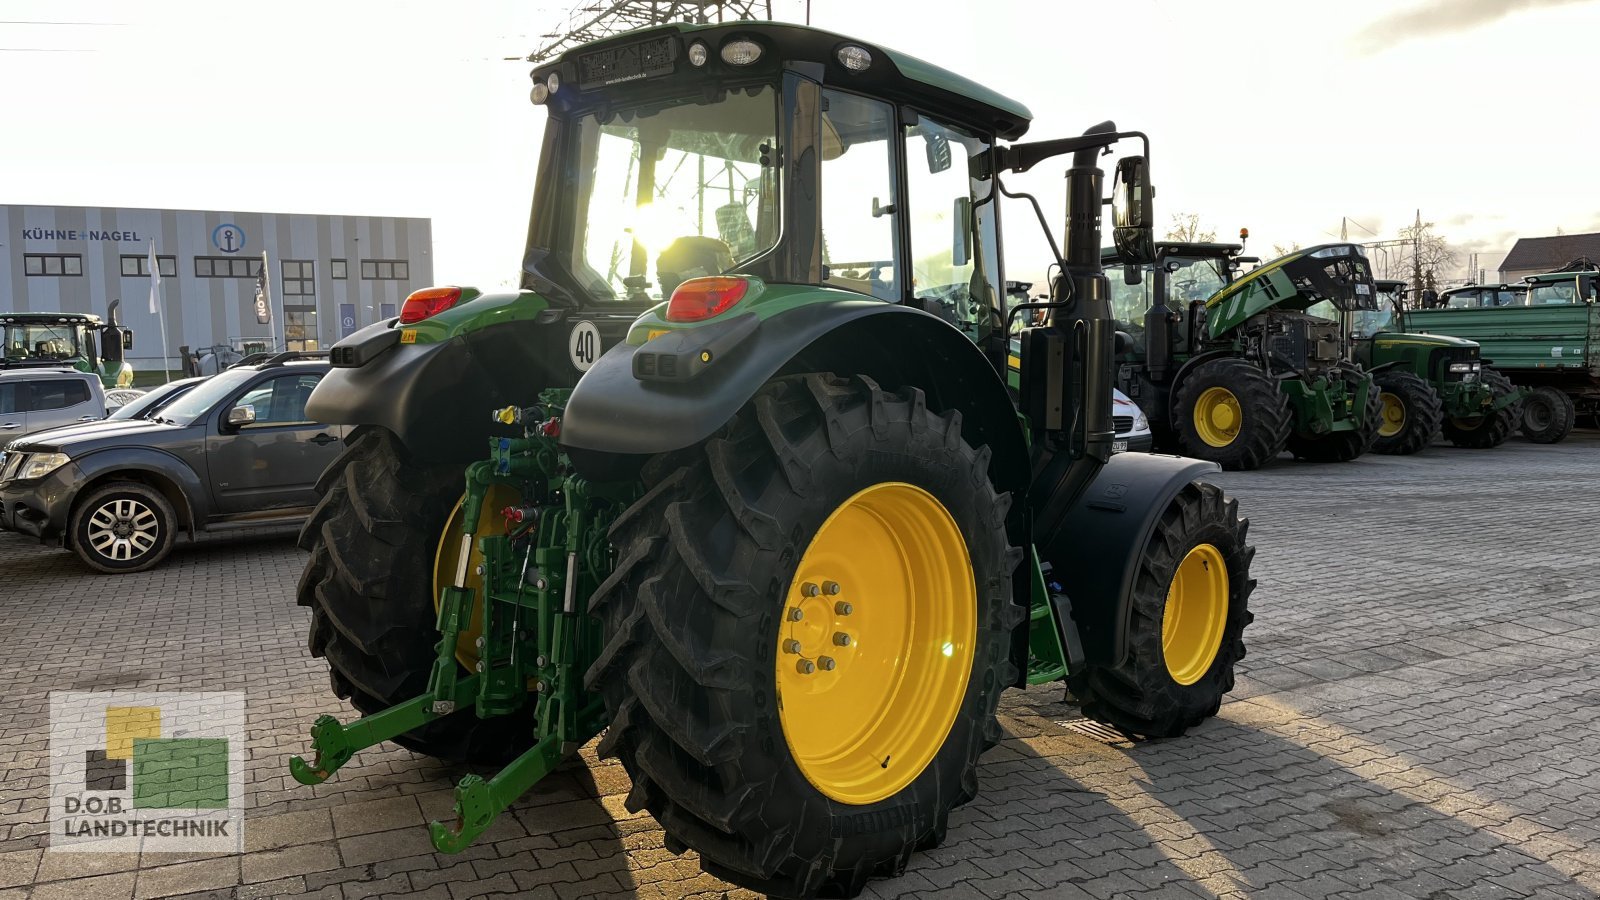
(428, 302)
(699, 299)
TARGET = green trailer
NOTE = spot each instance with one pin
(1429, 383)
(73, 340)
(1548, 344)
(755, 503)
(1235, 368)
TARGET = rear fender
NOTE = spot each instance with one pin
(615, 419)
(1094, 550)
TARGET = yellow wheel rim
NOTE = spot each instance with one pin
(1195, 614)
(1217, 416)
(448, 555)
(876, 643)
(1394, 415)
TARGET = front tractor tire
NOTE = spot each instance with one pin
(1231, 413)
(1190, 606)
(809, 629)
(1548, 416)
(1410, 413)
(373, 539)
(1486, 431)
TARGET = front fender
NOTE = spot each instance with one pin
(615, 415)
(1094, 551)
(192, 500)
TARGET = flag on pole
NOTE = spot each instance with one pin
(263, 300)
(155, 280)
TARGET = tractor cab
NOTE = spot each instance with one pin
(767, 154)
(66, 340)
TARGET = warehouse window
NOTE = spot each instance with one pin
(58, 264)
(300, 327)
(341, 270)
(299, 278)
(385, 270)
(225, 267)
(139, 266)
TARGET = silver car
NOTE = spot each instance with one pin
(34, 400)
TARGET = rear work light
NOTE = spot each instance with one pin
(428, 302)
(699, 299)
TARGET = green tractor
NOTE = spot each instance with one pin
(1235, 368)
(72, 340)
(1429, 383)
(754, 503)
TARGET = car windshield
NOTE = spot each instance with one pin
(672, 191)
(198, 402)
(149, 402)
(43, 341)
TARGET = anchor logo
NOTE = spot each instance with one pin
(228, 237)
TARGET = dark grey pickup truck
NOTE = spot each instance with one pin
(236, 451)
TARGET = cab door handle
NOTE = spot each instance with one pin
(10, 426)
(323, 439)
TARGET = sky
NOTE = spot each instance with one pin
(1283, 116)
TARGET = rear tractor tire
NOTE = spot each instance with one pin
(1190, 607)
(1343, 446)
(1548, 415)
(1231, 413)
(1410, 413)
(1487, 431)
(808, 630)
(374, 538)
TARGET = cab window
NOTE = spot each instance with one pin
(858, 195)
(951, 221)
(1129, 302)
(58, 394)
(1555, 292)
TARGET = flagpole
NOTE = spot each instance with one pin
(157, 306)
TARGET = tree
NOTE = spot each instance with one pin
(1186, 228)
(1423, 255)
(1284, 249)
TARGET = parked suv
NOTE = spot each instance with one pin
(33, 400)
(235, 451)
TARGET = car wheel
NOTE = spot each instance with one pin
(123, 527)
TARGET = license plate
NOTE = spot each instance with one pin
(1119, 446)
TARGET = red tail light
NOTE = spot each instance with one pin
(428, 302)
(699, 299)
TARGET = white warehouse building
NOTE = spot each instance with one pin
(329, 275)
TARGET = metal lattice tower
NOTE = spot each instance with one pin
(591, 22)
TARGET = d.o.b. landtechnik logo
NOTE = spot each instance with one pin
(137, 771)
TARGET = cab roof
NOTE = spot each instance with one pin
(51, 318)
(892, 74)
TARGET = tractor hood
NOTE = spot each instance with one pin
(1387, 339)
(1335, 273)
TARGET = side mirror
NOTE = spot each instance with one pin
(127, 339)
(937, 148)
(1132, 220)
(242, 415)
(1132, 274)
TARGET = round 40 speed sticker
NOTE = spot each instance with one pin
(583, 345)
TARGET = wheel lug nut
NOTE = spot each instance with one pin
(791, 646)
(826, 663)
(796, 614)
(843, 608)
(841, 639)
(809, 590)
(830, 588)
(806, 666)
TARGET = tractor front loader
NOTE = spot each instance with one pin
(1234, 367)
(1428, 383)
(783, 545)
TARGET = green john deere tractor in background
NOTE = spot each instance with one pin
(72, 340)
(1429, 383)
(1544, 335)
(755, 502)
(1235, 368)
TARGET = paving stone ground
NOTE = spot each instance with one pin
(1418, 716)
